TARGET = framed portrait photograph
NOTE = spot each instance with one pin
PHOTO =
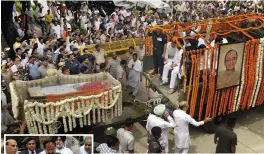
(229, 65)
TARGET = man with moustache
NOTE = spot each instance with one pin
(60, 148)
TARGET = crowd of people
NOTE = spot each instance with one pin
(61, 48)
(53, 145)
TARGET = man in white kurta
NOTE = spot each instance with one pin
(113, 64)
(135, 69)
(173, 59)
(100, 56)
(169, 59)
(181, 131)
(155, 119)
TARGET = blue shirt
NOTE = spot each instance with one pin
(33, 69)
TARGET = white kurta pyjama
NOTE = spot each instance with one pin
(181, 131)
(167, 67)
(153, 121)
(134, 75)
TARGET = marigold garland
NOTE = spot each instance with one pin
(192, 102)
(249, 77)
(204, 88)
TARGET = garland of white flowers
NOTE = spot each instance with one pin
(65, 108)
(42, 117)
(237, 103)
(15, 99)
(239, 89)
(258, 72)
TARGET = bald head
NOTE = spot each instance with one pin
(183, 105)
(11, 146)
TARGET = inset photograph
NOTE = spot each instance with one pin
(48, 144)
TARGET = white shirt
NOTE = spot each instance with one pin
(181, 131)
(126, 139)
(64, 150)
(57, 30)
(40, 48)
(24, 62)
(133, 22)
(223, 42)
(103, 38)
(68, 26)
(82, 150)
(202, 60)
(123, 12)
(153, 121)
(137, 65)
(140, 52)
(120, 72)
(177, 57)
(128, 13)
(83, 19)
(170, 51)
(97, 25)
(201, 41)
(42, 14)
(99, 56)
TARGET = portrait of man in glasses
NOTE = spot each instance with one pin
(230, 76)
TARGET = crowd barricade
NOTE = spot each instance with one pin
(116, 46)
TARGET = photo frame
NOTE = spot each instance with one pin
(229, 65)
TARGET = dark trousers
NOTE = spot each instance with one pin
(158, 62)
(43, 26)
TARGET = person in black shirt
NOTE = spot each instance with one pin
(226, 138)
(73, 64)
(163, 14)
(193, 46)
(153, 140)
(159, 47)
(102, 26)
